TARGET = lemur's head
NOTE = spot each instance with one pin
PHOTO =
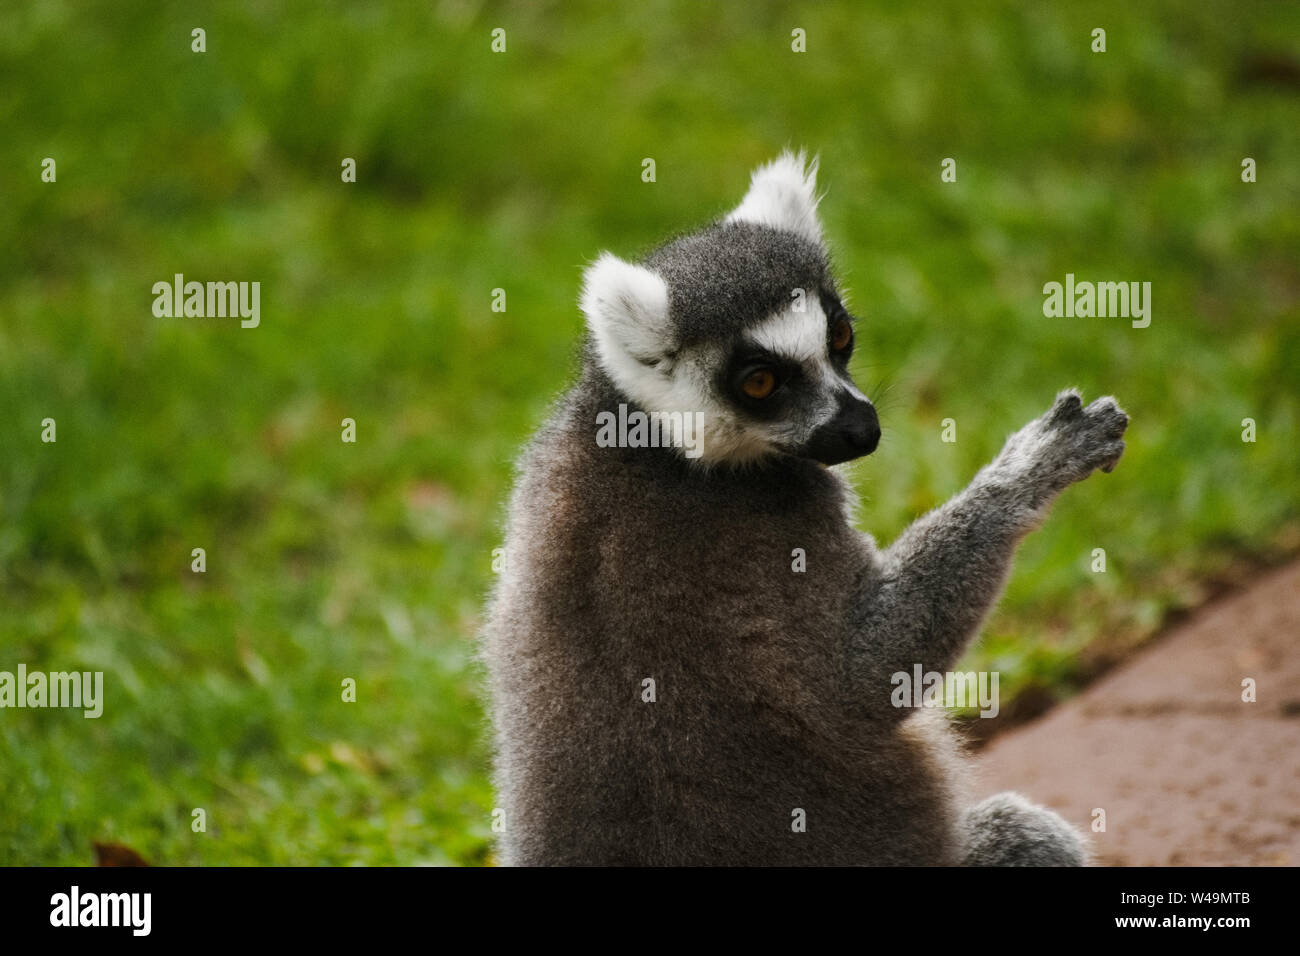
(740, 321)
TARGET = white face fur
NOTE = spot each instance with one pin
(627, 307)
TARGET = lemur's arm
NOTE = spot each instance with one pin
(934, 585)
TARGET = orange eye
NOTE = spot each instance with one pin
(759, 383)
(841, 335)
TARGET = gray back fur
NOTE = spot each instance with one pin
(625, 564)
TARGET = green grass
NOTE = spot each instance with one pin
(476, 171)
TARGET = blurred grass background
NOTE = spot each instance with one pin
(477, 171)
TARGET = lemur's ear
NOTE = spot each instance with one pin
(626, 306)
(783, 194)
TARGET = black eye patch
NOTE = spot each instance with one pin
(746, 360)
(835, 314)
(834, 309)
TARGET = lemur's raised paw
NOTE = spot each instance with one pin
(1066, 444)
(1073, 440)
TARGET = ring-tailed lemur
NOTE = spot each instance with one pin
(667, 686)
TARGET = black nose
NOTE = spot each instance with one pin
(852, 433)
(863, 431)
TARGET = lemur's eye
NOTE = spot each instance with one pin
(759, 383)
(841, 335)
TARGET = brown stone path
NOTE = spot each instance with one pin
(1187, 773)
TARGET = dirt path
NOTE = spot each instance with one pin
(1187, 773)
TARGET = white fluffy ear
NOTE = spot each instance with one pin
(783, 195)
(626, 306)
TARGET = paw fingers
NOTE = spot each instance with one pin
(1068, 405)
(1107, 413)
(1109, 465)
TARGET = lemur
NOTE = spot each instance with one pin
(666, 688)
